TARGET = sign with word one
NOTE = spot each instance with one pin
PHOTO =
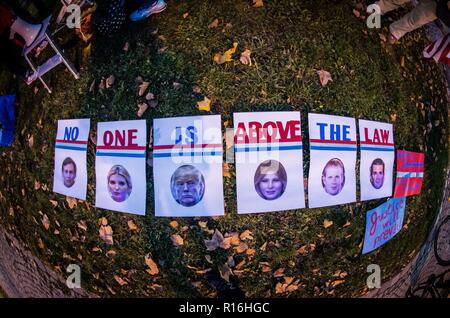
(332, 143)
(120, 166)
(410, 168)
(269, 161)
(377, 159)
(187, 166)
(383, 223)
(70, 175)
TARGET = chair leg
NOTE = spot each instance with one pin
(36, 70)
(64, 60)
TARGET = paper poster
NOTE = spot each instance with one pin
(187, 166)
(383, 223)
(410, 168)
(70, 175)
(377, 159)
(269, 161)
(332, 177)
(120, 166)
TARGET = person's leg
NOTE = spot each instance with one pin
(424, 13)
(389, 5)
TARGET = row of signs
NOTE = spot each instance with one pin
(268, 146)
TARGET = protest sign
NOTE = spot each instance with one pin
(410, 169)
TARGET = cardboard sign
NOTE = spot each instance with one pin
(70, 175)
(120, 166)
(187, 166)
(410, 168)
(377, 159)
(269, 161)
(332, 177)
(383, 223)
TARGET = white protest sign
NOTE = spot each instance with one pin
(187, 166)
(332, 177)
(120, 166)
(269, 161)
(377, 159)
(70, 175)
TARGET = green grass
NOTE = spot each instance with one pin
(289, 41)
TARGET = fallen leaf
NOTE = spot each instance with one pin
(102, 84)
(177, 240)
(241, 248)
(356, 13)
(279, 272)
(337, 282)
(246, 235)
(213, 24)
(150, 96)
(302, 250)
(92, 87)
(257, 3)
(71, 201)
(185, 15)
(393, 117)
(240, 265)
(120, 280)
(265, 267)
(54, 203)
(324, 77)
(208, 259)
(250, 251)
(110, 81)
(111, 253)
(205, 104)
(263, 247)
(177, 85)
(225, 272)
(245, 58)
(226, 170)
(347, 224)
(103, 221)
(37, 185)
(82, 225)
(227, 56)
(46, 222)
(173, 224)
(106, 234)
(131, 225)
(280, 288)
(153, 268)
(142, 88)
(126, 47)
(383, 37)
(196, 89)
(31, 141)
(230, 261)
(327, 223)
(142, 108)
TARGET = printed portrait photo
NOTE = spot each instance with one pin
(377, 173)
(187, 185)
(119, 183)
(333, 176)
(69, 172)
(270, 180)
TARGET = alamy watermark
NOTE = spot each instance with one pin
(74, 279)
(374, 279)
(74, 18)
(374, 18)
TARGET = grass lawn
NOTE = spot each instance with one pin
(289, 41)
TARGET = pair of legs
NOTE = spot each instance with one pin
(424, 13)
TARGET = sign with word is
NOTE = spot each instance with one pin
(187, 166)
(120, 166)
(332, 177)
(383, 223)
(269, 161)
(70, 175)
(410, 168)
(377, 159)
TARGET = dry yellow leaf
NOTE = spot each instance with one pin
(226, 170)
(246, 235)
(265, 267)
(263, 247)
(280, 288)
(153, 268)
(143, 87)
(279, 272)
(245, 57)
(327, 223)
(120, 280)
(142, 108)
(72, 202)
(347, 224)
(54, 203)
(302, 250)
(324, 77)
(213, 24)
(241, 248)
(103, 221)
(225, 272)
(46, 222)
(227, 56)
(185, 15)
(177, 240)
(257, 3)
(205, 104)
(106, 234)
(131, 225)
(251, 251)
(173, 224)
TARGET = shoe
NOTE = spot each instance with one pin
(147, 10)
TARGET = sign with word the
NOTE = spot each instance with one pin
(377, 159)
(410, 168)
(269, 161)
(70, 175)
(332, 177)
(120, 166)
(383, 223)
(187, 166)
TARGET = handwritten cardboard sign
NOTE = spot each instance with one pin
(383, 223)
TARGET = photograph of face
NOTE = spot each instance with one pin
(270, 180)
(69, 172)
(377, 173)
(119, 183)
(187, 185)
(333, 176)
